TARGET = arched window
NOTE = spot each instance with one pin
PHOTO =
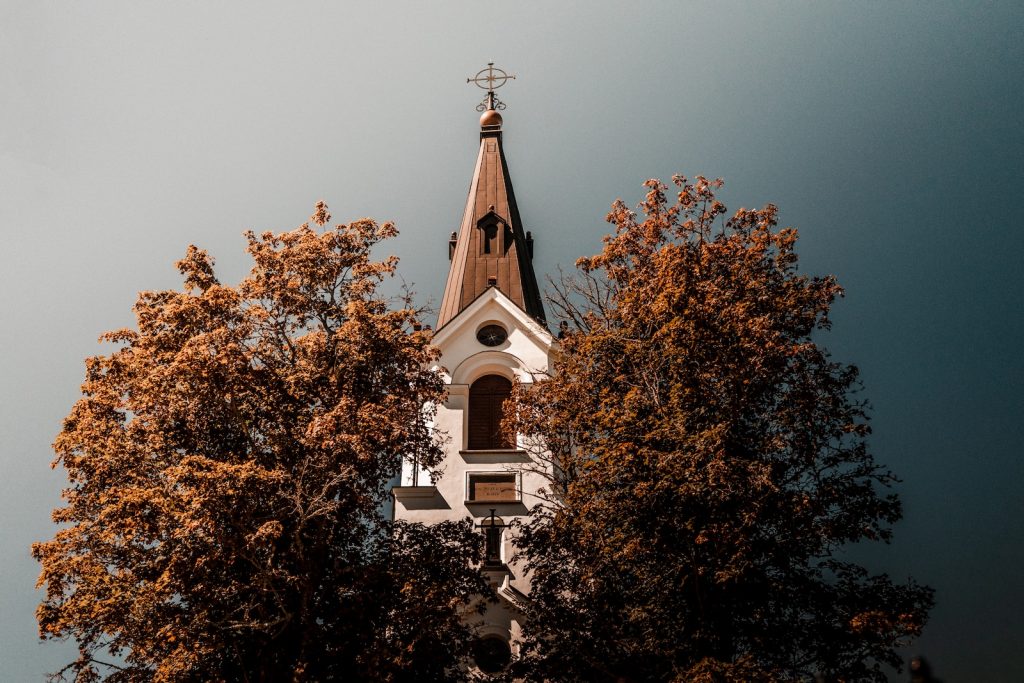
(491, 654)
(487, 396)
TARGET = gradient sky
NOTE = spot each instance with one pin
(889, 134)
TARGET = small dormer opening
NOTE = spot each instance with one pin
(489, 237)
(495, 234)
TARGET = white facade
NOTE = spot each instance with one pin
(463, 361)
(490, 335)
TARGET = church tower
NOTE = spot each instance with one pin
(490, 332)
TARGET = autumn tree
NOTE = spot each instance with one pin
(227, 465)
(709, 465)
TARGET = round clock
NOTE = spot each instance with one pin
(491, 335)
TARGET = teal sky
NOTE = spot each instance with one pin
(888, 133)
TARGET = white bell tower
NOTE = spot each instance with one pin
(490, 333)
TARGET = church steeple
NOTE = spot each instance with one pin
(491, 248)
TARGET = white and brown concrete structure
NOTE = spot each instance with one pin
(490, 332)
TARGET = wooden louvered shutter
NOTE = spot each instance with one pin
(486, 400)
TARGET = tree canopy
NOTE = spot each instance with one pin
(227, 466)
(710, 462)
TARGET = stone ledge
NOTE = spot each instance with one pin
(414, 491)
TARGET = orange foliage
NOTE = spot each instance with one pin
(709, 461)
(227, 466)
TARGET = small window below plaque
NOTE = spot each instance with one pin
(491, 335)
(493, 488)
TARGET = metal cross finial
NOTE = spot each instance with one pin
(490, 79)
(494, 79)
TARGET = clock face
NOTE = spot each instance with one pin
(491, 335)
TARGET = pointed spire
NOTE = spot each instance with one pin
(491, 248)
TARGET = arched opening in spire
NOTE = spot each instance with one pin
(496, 236)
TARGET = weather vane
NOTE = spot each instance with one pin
(490, 79)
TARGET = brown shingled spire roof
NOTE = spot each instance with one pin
(491, 249)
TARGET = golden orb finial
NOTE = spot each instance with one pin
(490, 118)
